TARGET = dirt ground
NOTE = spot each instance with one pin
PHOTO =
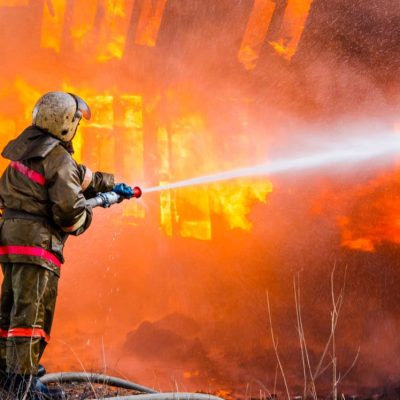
(83, 391)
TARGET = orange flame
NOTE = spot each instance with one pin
(149, 22)
(287, 37)
(13, 3)
(53, 24)
(186, 212)
(143, 140)
(293, 24)
(256, 31)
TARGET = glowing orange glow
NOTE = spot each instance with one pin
(192, 204)
(293, 26)
(101, 128)
(281, 48)
(129, 120)
(166, 212)
(289, 34)
(81, 29)
(53, 24)
(256, 31)
(234, 201)
(13, 3)
(6, 126)
(129, 128)
(188, 212)
(375, 219)
(27, 95)
(114, 29)
(181, 110)
(149, 23)
(118, 121)
(190, 374)
(355, 243)
(103, 112)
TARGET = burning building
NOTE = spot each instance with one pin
(172, 287)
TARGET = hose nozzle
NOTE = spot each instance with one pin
(107, 199)
(137, 192)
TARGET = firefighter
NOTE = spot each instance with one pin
(42, 196)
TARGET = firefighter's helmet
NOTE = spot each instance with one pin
(59, 113)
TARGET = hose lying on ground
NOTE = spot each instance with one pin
(64, 377)
(166, 396)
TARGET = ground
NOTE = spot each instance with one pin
(83, 391)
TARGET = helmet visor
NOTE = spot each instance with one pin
(82, 108)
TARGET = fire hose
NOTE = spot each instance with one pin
(107, 199)
(146, 393)
(63, 377)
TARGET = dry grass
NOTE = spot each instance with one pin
(328, 359)
(83, 391)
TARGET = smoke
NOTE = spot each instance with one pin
(170, 310)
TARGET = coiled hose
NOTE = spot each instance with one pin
(149, 394)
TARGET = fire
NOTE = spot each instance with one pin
(350, 239)
(7, 130)
(52, 24)
(293, 24)
(13, 3)
(113, 32)
(113, 139)
(117, 127)
(82, 25)
(158, 118)
(234, 201)
(27, 95)
(190, 374)
(383, 222)
(188, 211)
(149, 22)
(256, 31)
(281, 47)
(99, 28)
(286, 36)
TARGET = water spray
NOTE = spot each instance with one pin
(346, 152)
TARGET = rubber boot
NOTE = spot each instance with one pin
(41, 371)
(51, 393)
(17, 385)
(21, 385)
(55, 392)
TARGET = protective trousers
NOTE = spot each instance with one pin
(27, 304)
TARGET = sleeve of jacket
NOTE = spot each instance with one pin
(94, 182)
(68, 204)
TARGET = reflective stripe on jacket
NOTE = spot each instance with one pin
(42, 179)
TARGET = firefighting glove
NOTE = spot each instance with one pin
(85, 226)
(123, 190)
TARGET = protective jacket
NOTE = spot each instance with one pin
(42, 194)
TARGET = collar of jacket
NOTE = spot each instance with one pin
(32, 142)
